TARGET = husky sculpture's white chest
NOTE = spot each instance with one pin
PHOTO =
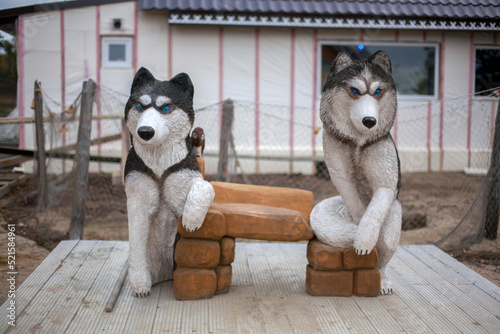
(358, 107)
(162, 177)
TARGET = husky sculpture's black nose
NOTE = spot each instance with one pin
(369, 121)
(146, 132)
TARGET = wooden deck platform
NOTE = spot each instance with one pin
(67, 293)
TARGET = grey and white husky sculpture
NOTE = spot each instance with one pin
(358, 108)
(162, 177)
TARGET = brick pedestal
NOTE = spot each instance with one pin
(334, 271)
(203, 259)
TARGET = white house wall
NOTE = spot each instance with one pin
(269, 70)
(152, 44)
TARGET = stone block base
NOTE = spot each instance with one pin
(367, 282)
(329, 283)
(224, 276)
(192, 283)
(334, 271)
(197, 253)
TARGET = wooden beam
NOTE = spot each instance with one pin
(96, 141)
(13, 161)
(41, 167)
(82, 161)
(24, 120)
(29, 154)
(16, 120)
(225, 138)
(492, 213)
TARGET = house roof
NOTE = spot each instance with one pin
(465, 9)
(453, 13)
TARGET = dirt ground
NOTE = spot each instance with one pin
(439, 199)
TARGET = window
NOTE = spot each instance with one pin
(117, 52)
(487, 74)
(414, 66)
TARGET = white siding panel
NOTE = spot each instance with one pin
(195, 51)
(152, 51)
(80, 47)
(239, 63)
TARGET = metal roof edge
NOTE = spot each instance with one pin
(298, 21)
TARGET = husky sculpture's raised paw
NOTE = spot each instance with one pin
(162, 177)
(358, 108)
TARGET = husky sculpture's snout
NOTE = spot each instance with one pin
(146, 132)
(369, 121)
(364, 114)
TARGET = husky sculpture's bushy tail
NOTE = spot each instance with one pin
(358, 108)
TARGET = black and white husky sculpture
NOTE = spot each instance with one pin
(358, 108)
(162, 177)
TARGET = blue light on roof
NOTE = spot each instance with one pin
(361, 47)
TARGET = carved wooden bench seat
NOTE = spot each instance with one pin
(204, 257)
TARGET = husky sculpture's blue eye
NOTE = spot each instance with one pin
(166, 108)
(355, 91)
(377, 92)
(139, 106)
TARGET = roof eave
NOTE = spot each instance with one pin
(338, 21)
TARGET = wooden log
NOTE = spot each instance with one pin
(227, 250)
(13, 161)
(263, 222)
(16, 120)
(288, 198)
(492, 213)
(117, 288)
(225, 138)
(354, 261)
(197, 253)
(42, 182)
(126, 145)
(367, 282)
(224, 277)
(82, 160)
(191, 283)
(213, 227)
(324, 257)
(329, 283)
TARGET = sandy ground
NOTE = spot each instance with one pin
(442, 198)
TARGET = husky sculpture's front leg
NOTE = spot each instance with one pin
(358, 107)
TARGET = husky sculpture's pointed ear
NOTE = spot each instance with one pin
(183, 80)
(342, 61)
(142, 77)
(381, 59)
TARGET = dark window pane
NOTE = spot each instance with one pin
(116, 52)
(413, 67)
(487, 70)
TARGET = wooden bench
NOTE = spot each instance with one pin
(204, 257)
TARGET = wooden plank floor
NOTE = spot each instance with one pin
(435, 293)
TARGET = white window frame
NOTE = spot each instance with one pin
(106, 41)
(437, 65)
(473, 79)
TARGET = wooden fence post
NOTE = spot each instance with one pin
(42, 188)
(225, 139)
(82, 160)
(492, 213)
(126, 145)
